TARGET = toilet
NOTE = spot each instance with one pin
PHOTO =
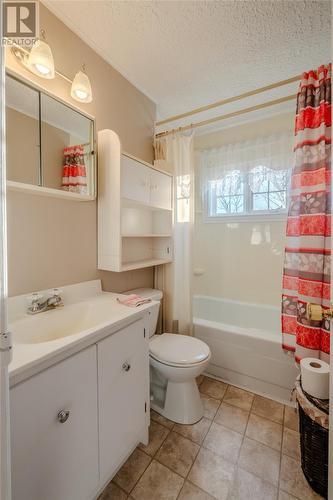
(175, 362)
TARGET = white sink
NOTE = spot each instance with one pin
(63, 322)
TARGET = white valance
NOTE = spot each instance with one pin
(274, 152)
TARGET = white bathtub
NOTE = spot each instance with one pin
(245, 342)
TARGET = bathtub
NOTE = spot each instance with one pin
(245, 342)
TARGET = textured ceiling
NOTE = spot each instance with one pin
(185, 54)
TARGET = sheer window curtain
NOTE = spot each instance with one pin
(179, 153)
(251, 162)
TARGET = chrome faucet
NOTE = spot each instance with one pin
(37, 305)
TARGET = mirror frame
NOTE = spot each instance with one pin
(43, 190)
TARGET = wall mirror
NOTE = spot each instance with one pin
(48, 143)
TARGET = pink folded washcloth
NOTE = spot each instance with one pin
(133, 300)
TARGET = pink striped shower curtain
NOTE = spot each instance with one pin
(306, 274)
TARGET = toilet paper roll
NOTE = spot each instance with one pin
(315, 377)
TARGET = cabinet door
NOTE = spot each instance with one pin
(53, 460)
(160, 190)
(123, 378)
(135, 180)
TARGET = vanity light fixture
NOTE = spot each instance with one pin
(40, 62)
(81, 88)
(40, 59)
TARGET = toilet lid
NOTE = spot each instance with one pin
(175, 349)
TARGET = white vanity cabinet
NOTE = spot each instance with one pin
(123, 375)
(105, 388)
(135, 212)
(53, 460)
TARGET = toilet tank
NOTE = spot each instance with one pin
(153, 294)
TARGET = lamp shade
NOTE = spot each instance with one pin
(41, 60)
(81, 88)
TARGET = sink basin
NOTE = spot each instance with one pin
(59, 323)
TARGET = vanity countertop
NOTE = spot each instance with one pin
(89, 315)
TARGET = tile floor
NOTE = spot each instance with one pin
(246, 447)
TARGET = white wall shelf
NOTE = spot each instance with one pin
(140, 264)
(48, 192)
(135, 215)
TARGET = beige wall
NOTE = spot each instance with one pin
(242, 260)
(53, 242)
(22, 133)
(22, 152)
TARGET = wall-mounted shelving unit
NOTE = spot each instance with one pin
(135, 213)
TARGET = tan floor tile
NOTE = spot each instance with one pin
(157, 434)
(265, 431)
(213, 474)
(157, 483)
(291, 418)
(213, 388)
(247, 486)
(238, 397)
(268, 408)
(199, 379)
(177, 453)
(191, 492)
(291, 444)
(156, 417)
(285, 496)
(292, 480)
(195, 432)
(113, 492)
(232, 417)
(132, 469)
(260, 460)
(224, 442)
(210, 406)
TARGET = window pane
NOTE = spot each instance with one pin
(183, 186)
(229, 204)
(278, 180)
(183, 210)
(232, 183)
(258, 179)
(260, 201)
(277, 200)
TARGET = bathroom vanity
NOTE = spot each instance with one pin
(80, 399)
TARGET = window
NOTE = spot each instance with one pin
(183, 198)
(247, 179)
(261, 190)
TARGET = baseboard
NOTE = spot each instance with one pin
(260, 387)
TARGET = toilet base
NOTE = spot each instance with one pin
(182, 403)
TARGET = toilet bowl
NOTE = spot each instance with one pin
(175, 362)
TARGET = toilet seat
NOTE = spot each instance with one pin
(178, 350)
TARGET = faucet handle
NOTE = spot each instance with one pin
(35, 298)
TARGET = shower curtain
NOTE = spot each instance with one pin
(177, 150)
(306, 275)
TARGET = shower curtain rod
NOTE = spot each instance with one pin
(228, 115)
(229, 100)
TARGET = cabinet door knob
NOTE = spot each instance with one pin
(63, 416)
(126, 367)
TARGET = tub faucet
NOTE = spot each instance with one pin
(37, 305)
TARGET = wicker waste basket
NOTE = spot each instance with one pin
(313, 428)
